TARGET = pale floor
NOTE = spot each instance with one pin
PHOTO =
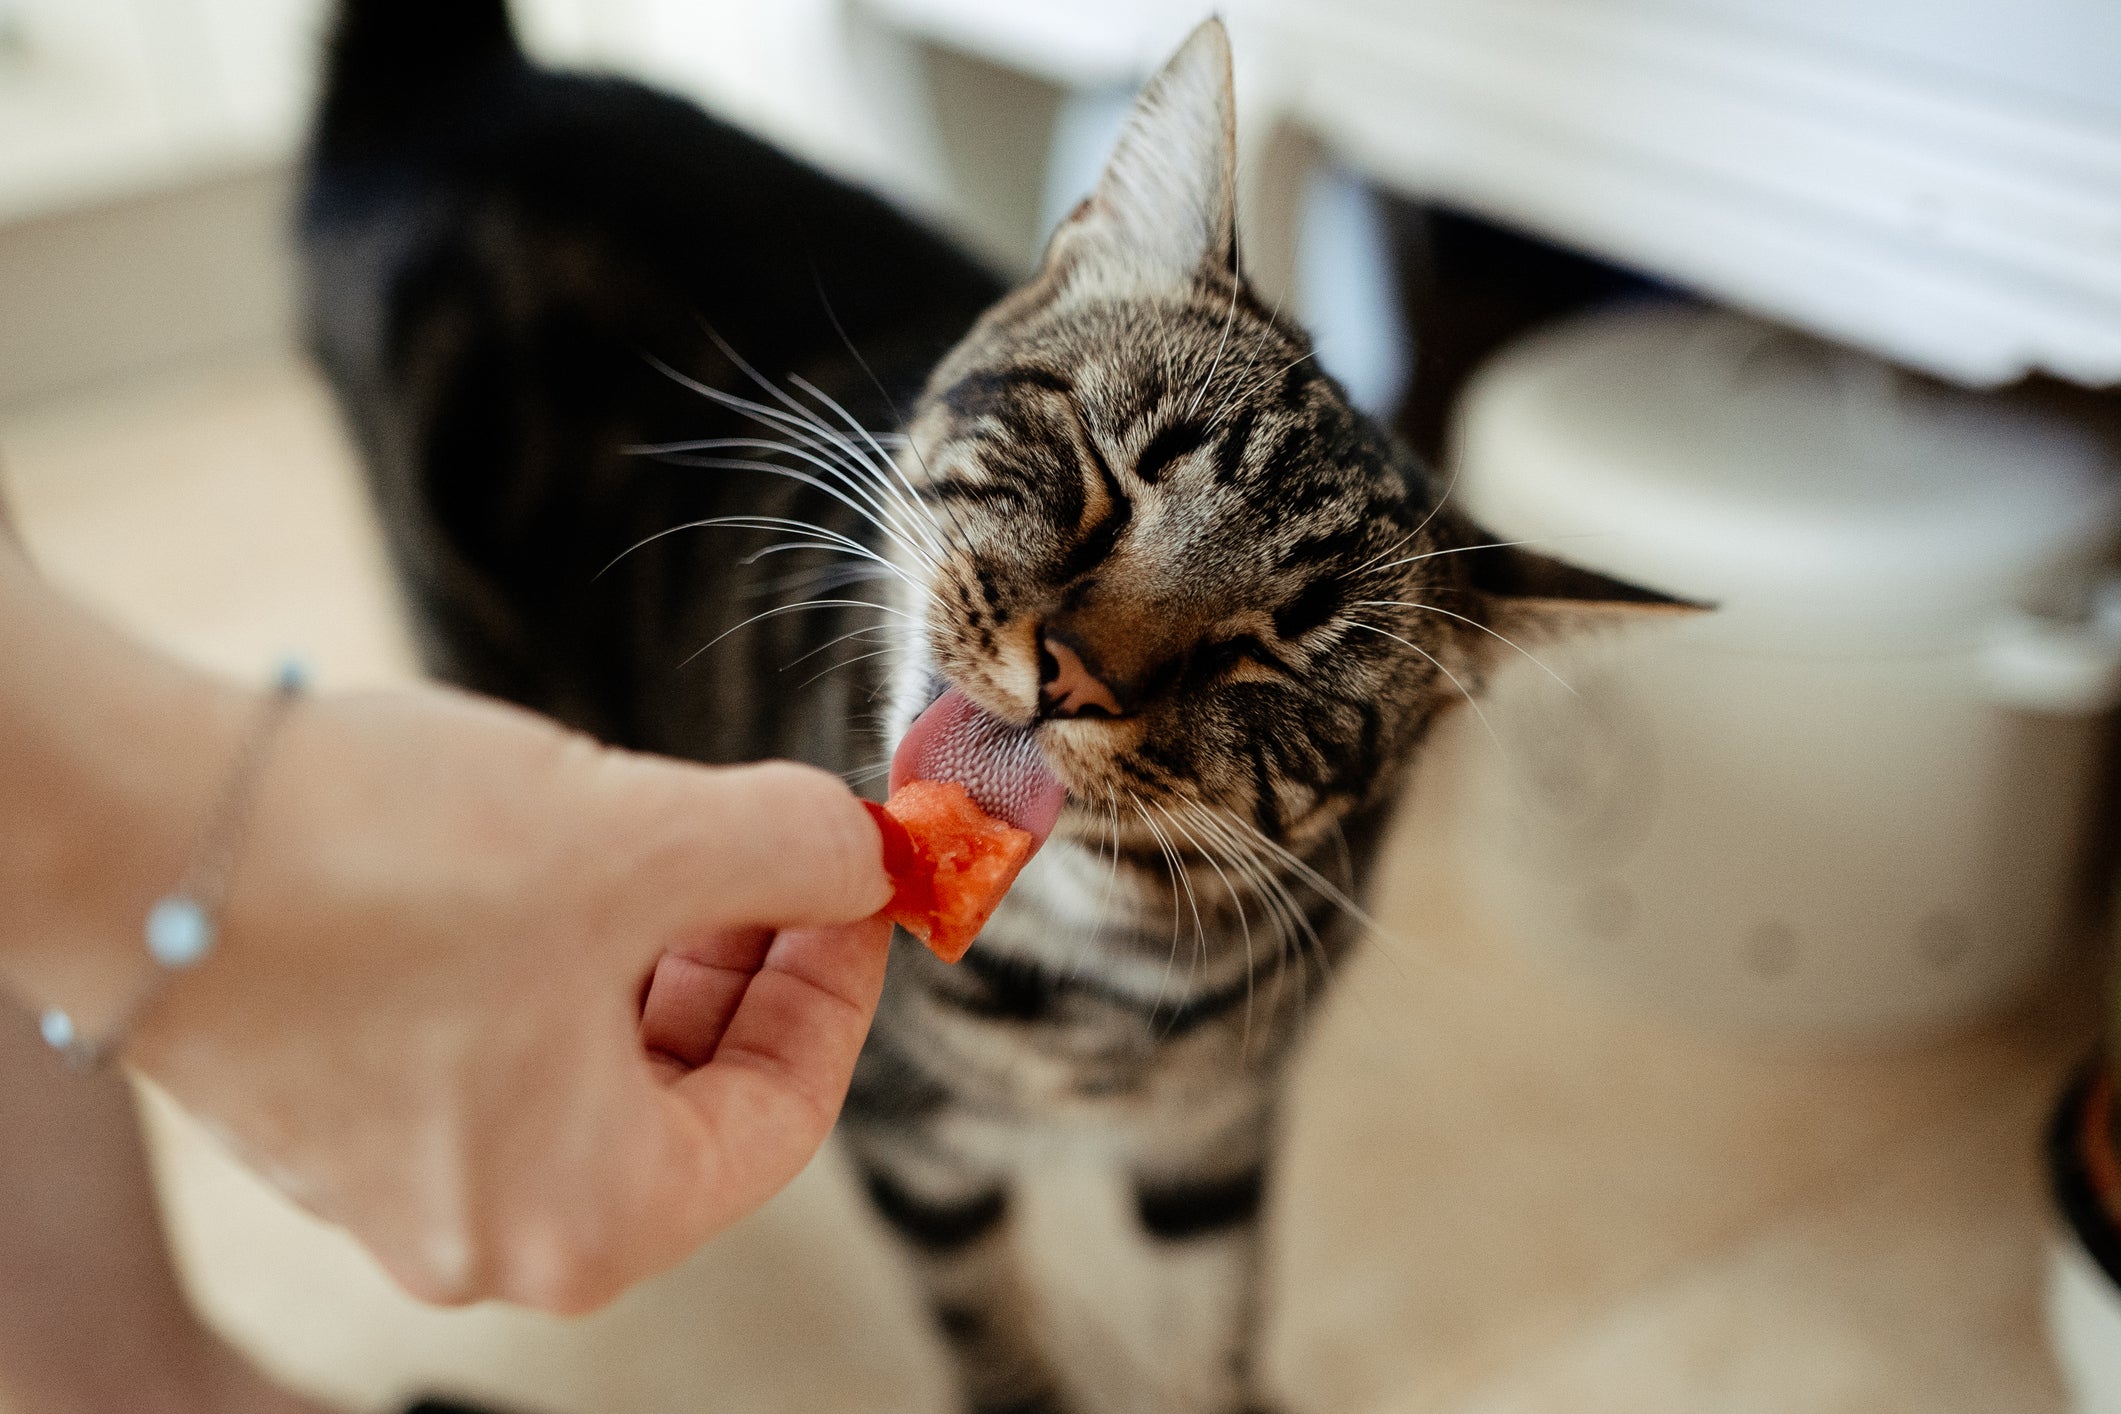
(1501, 1197)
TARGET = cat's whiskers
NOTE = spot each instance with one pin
(884, 520)
(1296, 865)
(1463, 690)
(1465, 549)
(1340, 852)
(1267, 332)
(1450, 485)
(848, 457)
(1474, 623)
(843, 663)
(830, 644)
(1104, 897)
(1237, 284)
(780, 609)
(863, 775)
(884, 458)
(1257, 843)
(1292, 924)
(884, 469)
(902, 437)
(865, 485)
(884, 517)
(1088, 951)
(1200, 952)
(1244, 925)
(1109, 820)
(1170, 866)
(837, 541)
(863, 574)
(1174, 864)
(801, 421)
(830, 542)
(831, 577)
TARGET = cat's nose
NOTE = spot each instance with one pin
(1067, 687)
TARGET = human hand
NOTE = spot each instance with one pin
(531, 1018)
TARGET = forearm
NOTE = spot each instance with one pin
(109, 758)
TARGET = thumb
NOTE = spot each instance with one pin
(787, 844)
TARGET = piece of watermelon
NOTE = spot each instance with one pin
(950, 863)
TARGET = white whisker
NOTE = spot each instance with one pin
(902, 437)
(1104, 898)
(1237, 283)
(1303, 871)
(877, 518)
(1176, 864)
(863, 775)
(1457, 464)
(806, 427)
(1243, 924)
(843, 663)
(834, 643)
(831, 541)
(1463, 691)
(1467, 549)
(1236, 398)
(1292, 924)
(1431, 608)
(796, 608)
(831, 577)
(884, 458)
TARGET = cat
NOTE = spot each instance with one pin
(1125, 511)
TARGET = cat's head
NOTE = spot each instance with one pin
(1167, 542)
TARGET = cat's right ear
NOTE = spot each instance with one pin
(1165, 207)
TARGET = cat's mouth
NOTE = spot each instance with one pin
(1001, 766)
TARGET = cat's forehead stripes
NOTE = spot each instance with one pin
(1154, 393)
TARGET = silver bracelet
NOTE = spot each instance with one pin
(183, 925)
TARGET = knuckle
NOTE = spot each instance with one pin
(556, 1270)
(436, 1282)
(445, 1257)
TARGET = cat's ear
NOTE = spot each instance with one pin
(1527, 595)
(1165, 207)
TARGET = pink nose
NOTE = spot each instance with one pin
(1070, 689)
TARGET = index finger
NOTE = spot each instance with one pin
(771, 1090)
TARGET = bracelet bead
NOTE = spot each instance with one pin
(178, 932)
(57, 1029)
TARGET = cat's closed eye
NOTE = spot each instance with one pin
(1244, 658)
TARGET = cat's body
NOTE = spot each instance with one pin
(1126, 463)
(494, 253)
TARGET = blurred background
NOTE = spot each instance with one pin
(1727, 991)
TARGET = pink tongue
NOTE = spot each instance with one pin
(999, 766)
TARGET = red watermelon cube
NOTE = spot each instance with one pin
(950, 861)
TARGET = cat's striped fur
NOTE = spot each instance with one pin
(1072, 1130)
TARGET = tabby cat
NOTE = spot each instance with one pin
(1128, 513)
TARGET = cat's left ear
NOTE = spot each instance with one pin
(1165, 207)
(1527, 595)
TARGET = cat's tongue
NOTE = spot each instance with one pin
(999, 766)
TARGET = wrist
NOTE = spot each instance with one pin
(112, 758)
